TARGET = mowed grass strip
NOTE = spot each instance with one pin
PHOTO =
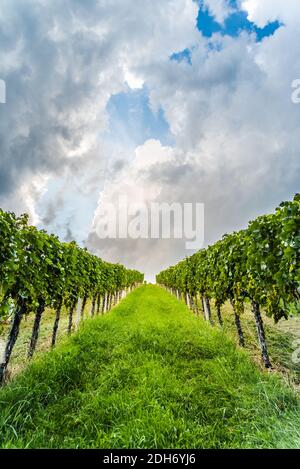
(148, 375)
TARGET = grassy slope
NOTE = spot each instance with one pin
(149, 374)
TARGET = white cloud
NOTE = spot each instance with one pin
(236, 131)
(134, 82)
(24, 200)
(132, 181)
(236, 135)
(220, 9)
(62, 63)
(135, 185)
(262, 12)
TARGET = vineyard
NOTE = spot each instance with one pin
(152, 373)
(149, 374)
(37, 271)
(259, 265)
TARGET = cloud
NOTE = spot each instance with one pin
(24, 199)
(220, 9)
(236, 137)
(62, 61)
(263, 11)
(140, 185)
(235, 132)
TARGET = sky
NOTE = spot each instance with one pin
(178, 101)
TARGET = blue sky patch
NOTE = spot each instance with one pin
(268, 30)
(207, 24)
(132, 121)
(233, 25)
(184, 55)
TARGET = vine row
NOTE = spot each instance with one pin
(38, 271)
(259, 265)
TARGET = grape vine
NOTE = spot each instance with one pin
(259, 265)
(37, 271)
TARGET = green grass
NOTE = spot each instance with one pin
(148, 375)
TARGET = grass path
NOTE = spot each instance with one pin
(148, 375)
